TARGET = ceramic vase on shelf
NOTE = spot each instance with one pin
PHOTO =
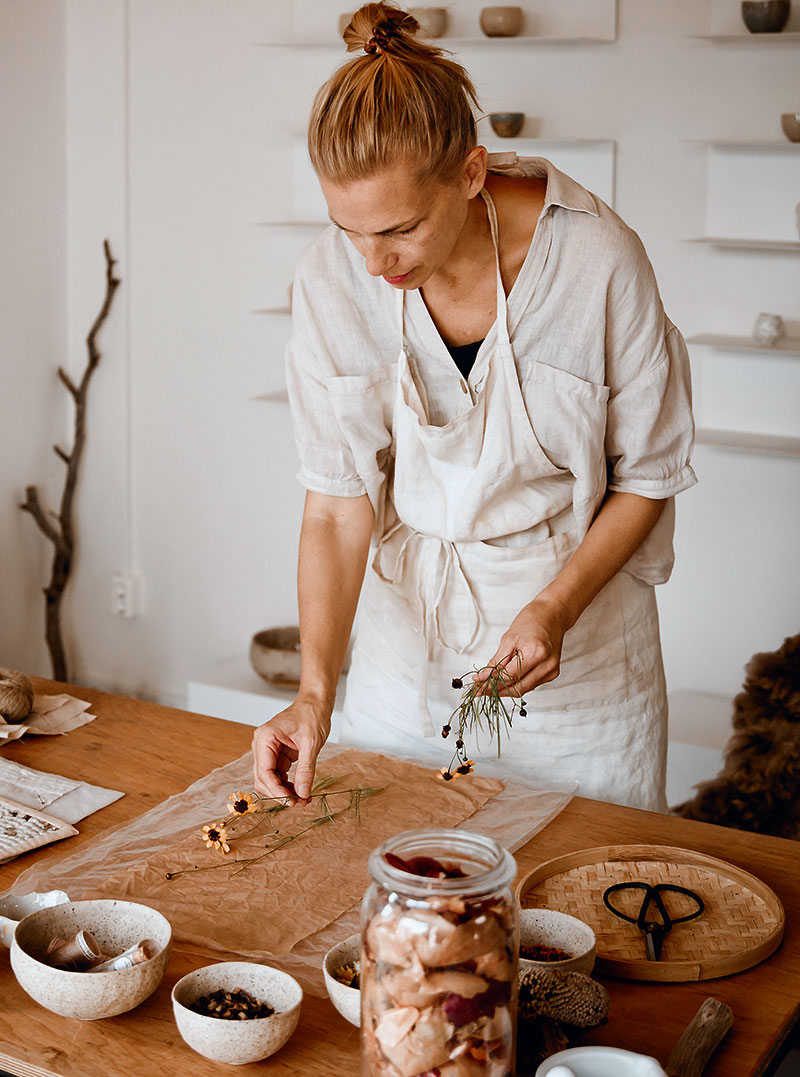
(501, 21)
(769, 329)
(432, 20)
(765, 16)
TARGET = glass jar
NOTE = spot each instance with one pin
(439, 958)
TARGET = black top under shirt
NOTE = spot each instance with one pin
(464, 356)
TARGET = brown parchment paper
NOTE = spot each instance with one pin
(225, 918)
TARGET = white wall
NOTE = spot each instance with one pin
(33, 411)
(179, 135)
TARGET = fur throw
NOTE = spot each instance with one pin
(758, 787)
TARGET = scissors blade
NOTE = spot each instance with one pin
(653, 941)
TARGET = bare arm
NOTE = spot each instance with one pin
(537, 632)
(334, 542)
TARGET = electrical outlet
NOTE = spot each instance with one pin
(124, 594)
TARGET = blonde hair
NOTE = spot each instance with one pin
(401, 100)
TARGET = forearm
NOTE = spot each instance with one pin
(334, 543)
(620, 527)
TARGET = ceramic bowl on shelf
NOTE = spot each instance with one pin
(790, 125)
(550, 928)
(765, 16)
(506, 124)
(432, 20)
(237, 1042)
(88, 996)
(275, 655)
(347, 1000)
(501, 21)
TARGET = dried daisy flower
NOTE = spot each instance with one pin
(215, 837)
(241, 803)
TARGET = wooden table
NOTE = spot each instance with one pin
(151, 752)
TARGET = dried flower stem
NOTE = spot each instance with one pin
(483, 707)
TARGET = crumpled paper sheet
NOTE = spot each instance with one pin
(50, 715)
(210, 926)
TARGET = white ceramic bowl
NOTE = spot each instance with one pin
(90, 995)
(237, 1042)
(547, 927)
(13, 909)
(347, 1000)
(601, 1062)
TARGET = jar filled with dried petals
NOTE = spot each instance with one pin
(439, 950)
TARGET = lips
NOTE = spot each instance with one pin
(397, 280)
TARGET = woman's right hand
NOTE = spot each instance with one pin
(296, 735)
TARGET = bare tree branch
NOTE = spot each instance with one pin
(62, 535)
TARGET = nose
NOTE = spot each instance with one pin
(379, 258)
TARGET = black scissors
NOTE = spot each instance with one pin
(654, 930)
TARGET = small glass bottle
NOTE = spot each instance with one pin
(439, 957)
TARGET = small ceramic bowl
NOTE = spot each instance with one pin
(90, 995)
(347, 1000)
(506, 124)
(600, 1062)
(275, 655)
(432, 20)
(547, 927)
(790, 125)
(765, 16)
(501, 21)
(13, 909)
(237, 1042)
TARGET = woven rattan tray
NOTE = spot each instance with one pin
(742, 924)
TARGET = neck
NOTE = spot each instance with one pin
(472, 250)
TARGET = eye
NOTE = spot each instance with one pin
(408, 231)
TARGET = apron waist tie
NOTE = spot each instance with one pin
(445, 575)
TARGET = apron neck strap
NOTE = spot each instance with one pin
(502, 309)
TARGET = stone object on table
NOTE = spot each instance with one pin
(769, 329)
(507, 124)
(237, 1042)
(790, 125)
(432, 20)
(116, 925)
(765, 16)
(501, 21)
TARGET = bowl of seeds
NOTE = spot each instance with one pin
(552, 938)
(236, 1011)
(342, 969)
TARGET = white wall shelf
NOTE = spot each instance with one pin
(461, 42)
(791, 37)
(740, 441)
(280, 396)
(281, 311)
(779, 245)
(786, 346)
(745, 144)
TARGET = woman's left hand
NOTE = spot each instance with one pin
(530, 651)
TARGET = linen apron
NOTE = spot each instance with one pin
(441, 592)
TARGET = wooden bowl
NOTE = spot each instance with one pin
(275, 655)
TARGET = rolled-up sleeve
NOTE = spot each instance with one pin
(649, 425)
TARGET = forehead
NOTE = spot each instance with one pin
(382, 201)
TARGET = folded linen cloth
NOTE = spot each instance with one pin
(50, 715)
(65, 798)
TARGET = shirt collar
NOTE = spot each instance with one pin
(562, 190)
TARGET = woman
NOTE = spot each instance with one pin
(484, 383)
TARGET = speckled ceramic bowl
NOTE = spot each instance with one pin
(90, 995)
(14, 909)
(347, 1000)
(547, 927)
(237, 1042)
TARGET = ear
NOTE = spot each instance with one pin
(475, 170)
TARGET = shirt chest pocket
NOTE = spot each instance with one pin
(568, 417)
(364, 408)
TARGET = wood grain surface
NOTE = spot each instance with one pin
(151, 752)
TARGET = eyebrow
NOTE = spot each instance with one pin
(386, 231)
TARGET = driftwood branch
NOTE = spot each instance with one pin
(62, 532)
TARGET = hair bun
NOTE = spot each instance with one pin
(375, 28)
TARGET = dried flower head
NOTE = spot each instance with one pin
(215, 837)
(466, 767)
(446, 774)
(241, 803)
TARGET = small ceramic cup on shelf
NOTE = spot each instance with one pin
(432, 20)
(769, 329)
(790, 125)
(506, 124)
(501, 21)
(765, 16)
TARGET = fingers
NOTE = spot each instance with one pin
(271, 762)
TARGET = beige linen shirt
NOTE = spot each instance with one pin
(585, 311)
